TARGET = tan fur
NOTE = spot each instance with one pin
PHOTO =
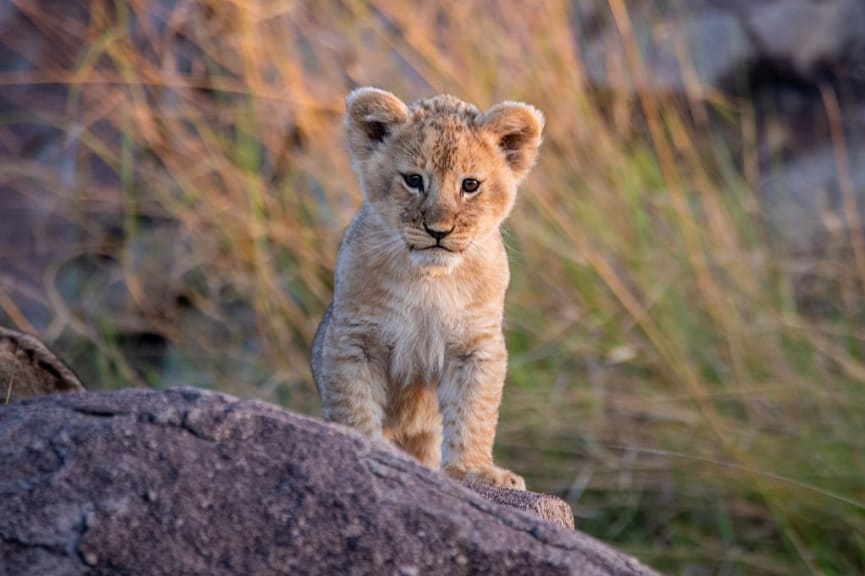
(411, 349)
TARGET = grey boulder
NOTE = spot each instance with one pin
(190, 482)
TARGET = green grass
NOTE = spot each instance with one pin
(663, 377)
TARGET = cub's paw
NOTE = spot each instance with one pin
(492, 475)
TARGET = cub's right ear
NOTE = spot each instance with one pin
(370, 117)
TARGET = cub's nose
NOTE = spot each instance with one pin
(438, 234)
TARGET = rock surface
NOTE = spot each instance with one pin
(190, 482)
(550, 508)
(720, 40)
(28, 368)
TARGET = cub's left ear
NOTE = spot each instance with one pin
(517, 128)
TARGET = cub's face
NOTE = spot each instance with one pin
(439, 173)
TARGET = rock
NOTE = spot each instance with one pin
(724, 41)
(190, 482)
(808, 35)
(550, 508)
(803, 201)
(28, 368)
(713, 41)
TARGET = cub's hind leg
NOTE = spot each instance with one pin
(425, 445)
(415, 425)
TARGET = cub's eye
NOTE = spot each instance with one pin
(470, 186)
(413, 181)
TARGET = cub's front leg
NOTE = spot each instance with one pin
(469, 395)
(351, 384)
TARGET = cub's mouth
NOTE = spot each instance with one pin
(434, 257)
(434, 247)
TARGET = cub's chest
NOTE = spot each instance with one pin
(421, 329)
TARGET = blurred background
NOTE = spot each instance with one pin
(685, 321)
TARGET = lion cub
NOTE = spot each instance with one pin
(412, 348)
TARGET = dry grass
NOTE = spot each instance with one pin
(663, 377)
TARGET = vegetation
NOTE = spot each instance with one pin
(670, 373)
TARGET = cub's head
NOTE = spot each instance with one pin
(440, 173)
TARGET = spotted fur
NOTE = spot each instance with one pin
(412, 349)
